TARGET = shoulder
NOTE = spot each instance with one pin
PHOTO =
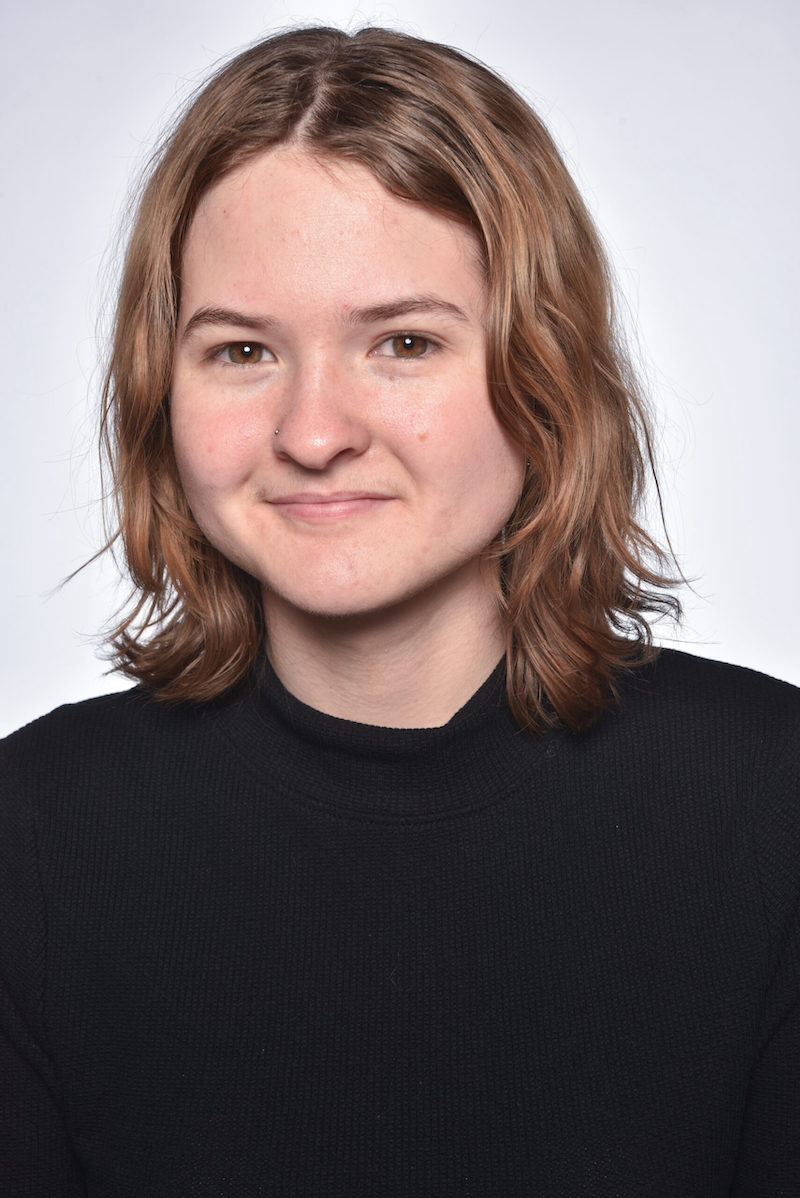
(727, 739)
(711, 702)
(70, 719)
(717, 742)
(104, 746)
(87, 727)
(673, 672)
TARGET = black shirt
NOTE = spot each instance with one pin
(248, 948)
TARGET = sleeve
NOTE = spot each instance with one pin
(768, 1163)
(36, 1156)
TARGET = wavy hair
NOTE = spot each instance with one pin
(578, 574)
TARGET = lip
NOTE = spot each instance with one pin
(334, 505)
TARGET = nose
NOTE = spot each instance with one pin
(320, 417)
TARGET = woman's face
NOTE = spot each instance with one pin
(330, 410)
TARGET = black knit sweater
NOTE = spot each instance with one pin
(249, 949)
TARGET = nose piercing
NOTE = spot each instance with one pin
(277, 430)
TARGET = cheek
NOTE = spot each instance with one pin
(494, 476)
(481, 459)
(497, 477)
(214, 450)
(476, 475)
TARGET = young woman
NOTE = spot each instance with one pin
(409, 867)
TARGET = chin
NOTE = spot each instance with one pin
(376, 599)
(335, 607)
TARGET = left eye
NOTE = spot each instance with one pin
(242, 353)
(405, 345)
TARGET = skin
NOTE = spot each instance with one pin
(315, 303)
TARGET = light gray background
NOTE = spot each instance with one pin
(679, 123)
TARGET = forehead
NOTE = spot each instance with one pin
(325, 228)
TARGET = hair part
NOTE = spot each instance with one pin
(578, 576)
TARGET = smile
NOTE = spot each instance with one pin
(335, 506)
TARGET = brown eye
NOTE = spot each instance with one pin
(408, 345)
(242, 353)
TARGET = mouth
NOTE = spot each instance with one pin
(336, 505)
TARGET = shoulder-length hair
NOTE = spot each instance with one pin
(578, 575)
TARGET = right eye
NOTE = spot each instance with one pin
(242, 353)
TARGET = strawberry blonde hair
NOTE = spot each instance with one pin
(579, 576)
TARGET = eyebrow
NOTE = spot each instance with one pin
(404, 307)
(372, 314)
(218, 316)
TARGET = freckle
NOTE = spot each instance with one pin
(422, 436)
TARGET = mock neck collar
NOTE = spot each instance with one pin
(367, 771)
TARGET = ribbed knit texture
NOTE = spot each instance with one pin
(249, 949)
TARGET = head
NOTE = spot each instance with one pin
(442, 131)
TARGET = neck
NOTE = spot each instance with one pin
(413, 666)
